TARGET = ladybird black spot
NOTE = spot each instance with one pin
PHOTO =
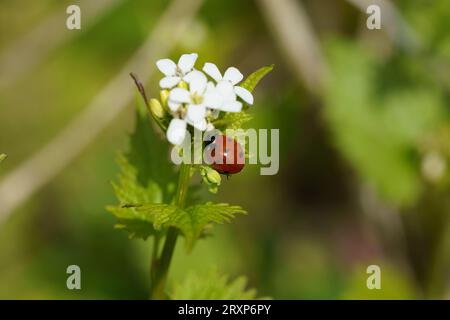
(209, 140)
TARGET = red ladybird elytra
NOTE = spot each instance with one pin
(225, 162)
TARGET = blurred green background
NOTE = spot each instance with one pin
(364, 129)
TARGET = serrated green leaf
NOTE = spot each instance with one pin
(149, 153)
(200, 216)
(161, 215)
(192, 221)
(136, 229)
(145, 178)
(213, 286)
(154, 213)
(252, 80)
(233, 120)
(128, 190)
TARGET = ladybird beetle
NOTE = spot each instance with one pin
(225, 162)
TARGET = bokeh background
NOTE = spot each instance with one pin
(364, 145)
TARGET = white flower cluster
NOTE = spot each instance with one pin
(195, 100)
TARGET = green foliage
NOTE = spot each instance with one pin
(252, 80)
(200, 216)
(136, 229)
(145, 190)
(2, 157)
(377, 127)
(128, 191)
(146, 177)
(233, 120)
(192, 221)
(145, 186)
(149, 154)
(213, 286)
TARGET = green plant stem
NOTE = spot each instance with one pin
(163, 263)
(154, 260)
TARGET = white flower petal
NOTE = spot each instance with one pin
(211, 70)
(180, 95)
(210, 86)
(176, 131)
(169, 82)
(167, 66)
(200, 125)
(226, 90)
(244, 94)
(213, 99)
(173, 105)
(234, 106)
(193, 75)
(187, 77)
(233, 75)
(187, 61)
(195, 113)
(209, 127)
(197, 82)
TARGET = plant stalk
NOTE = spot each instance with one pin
(160, 269)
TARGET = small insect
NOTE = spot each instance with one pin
(230, 156)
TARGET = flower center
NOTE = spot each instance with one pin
(196, 98)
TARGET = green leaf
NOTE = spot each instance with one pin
(252, 80)
(128, 190)
(144, 220)
(213, 286)
(200, 216)
(146, 178)
(233, 120)
(156, 214)
(149, 153)
(192, 221)
(136, 229)
(2, 157)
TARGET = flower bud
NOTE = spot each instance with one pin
(156, 109)
(183, 85)
(212, 178)
(164, 96)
